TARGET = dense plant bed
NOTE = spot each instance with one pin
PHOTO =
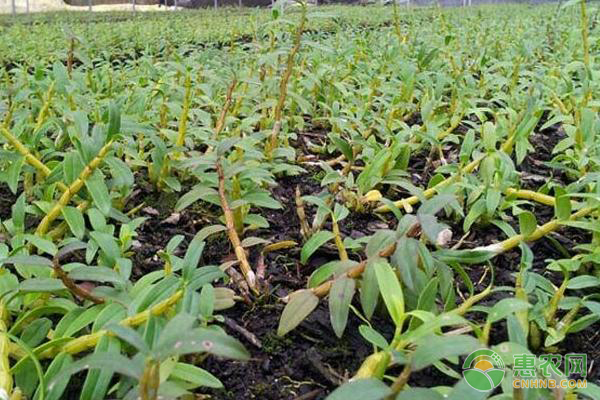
(298, 203)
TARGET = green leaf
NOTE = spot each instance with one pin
(527, 223)
(99, 192)
(97, 381)
(317, 240)
(209, 230)
(363, 389)
(130, 336)
(340, 297)
(583, 281)
(36, 261)
(41, 285)
(108, 244)
(35, 332)
(203, 340)
(301, 303)
(342, 145)
(435, 204)
(406, 260)
(122, 175)
(197, 376)
(13, 174)
(317, 201)
(369, 289)
(197, 193)
(506, 307)
(591, 390)
(58, 382)
(562, 207)
(414, 393)
(207, 300)
(433, 348)
(96, 274)
(105, 361)
(372, 336)
(43, 244)
(114, 120)
(75, 220)
(391, 291)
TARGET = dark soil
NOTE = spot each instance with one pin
(311, 361)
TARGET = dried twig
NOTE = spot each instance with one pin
(251, 337)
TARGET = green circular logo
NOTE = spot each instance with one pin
(483, 370)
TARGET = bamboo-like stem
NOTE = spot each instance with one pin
(6, 379)
(74, 288)
(41, 118)
(228, 98)
(531, 195)
(406, 203)
(72, 190)
(376, 364)
(540, 232)
(70, 56)
(304, 228)
(29, 157)
(339, 243)
(585, 35)
(150, 380)
(184, 112)
(550, 312)
(238, 213)
(231, 232)
(289, 68)
(453, 125)
(354, 272)
(400, 381)
(89, 341)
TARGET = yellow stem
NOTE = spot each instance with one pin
(531, 195)
(89, 341)
(540, 232)
(72, 190)
(44, 111)
(184, 113)
(338, 240)
(412, 200)
(6, 381)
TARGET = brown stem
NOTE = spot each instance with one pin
(401, 380)
(231, 232)
(71, 285)
(289, 68)
(70, 57)
(221, 121)
(304, 228)
(323, 289)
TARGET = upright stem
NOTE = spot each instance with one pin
(231, 232)
(70, 57)
(221, 121)
(289, 68)
(6, 380)
(184, 113)
(584, 36)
